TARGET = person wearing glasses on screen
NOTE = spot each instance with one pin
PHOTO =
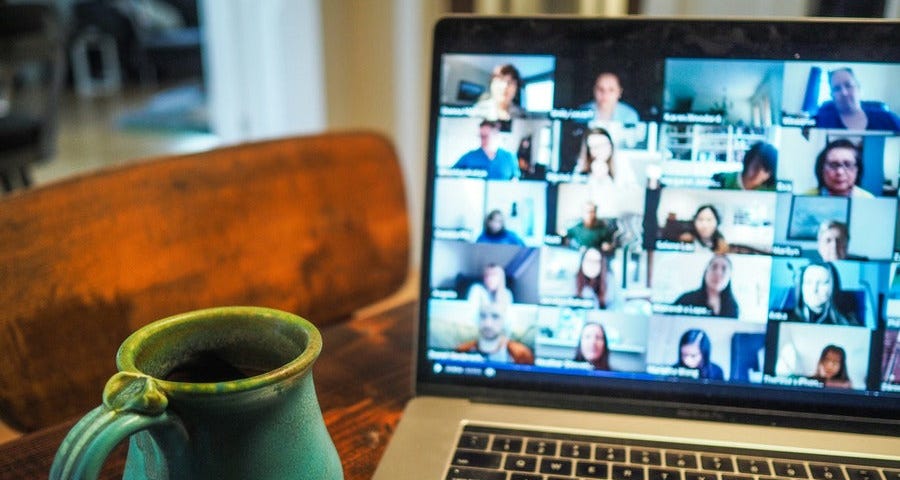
(848, 111)
(839, 170)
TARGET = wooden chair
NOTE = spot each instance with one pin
(313, 225)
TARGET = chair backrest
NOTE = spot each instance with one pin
(313, 225)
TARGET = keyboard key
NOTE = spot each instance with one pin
(610, 453)
(857, 473)
(591, 470)
(718, 463)
(507, 444)
(520, 463)
(575, 450)
(789, 469)
(465, 458)
(701, 476)
(541, 447)
(728, 476)
(829, 472)
(458, 473)
(646, 456)
(891, 474)
(753, 466)
(525, 476)
(556, 466)
(681, 459)
(473, 441)
(627, 472)
(664, 474)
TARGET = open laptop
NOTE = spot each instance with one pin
(658, 249)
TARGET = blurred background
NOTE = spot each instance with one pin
(89, 84)
(142, 78)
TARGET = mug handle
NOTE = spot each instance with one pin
(131, 402)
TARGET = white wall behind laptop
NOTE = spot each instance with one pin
(283, 67)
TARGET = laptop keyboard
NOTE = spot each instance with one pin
(488, 453)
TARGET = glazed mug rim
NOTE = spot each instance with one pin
(134, 350)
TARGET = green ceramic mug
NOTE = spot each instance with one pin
(211, 394)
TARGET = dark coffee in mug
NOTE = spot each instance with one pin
(212, 367)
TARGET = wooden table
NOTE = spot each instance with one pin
(363, 381)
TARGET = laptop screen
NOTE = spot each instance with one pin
(672, 212)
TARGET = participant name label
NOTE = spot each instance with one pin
(452, 234)
(689, 182)
(670, 371)
(568, 302)
(680, 309)
(707, 118)
(791, 381)
(785, 250)
(449, 111)
(798, 121)
(671, 246)
(566, 114)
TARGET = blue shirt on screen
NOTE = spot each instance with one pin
(504, 237)
(502, 167)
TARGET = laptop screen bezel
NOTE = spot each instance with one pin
(844, 40)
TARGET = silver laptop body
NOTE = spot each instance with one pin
(676, 233)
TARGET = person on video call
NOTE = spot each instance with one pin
(495, 231)
(831, 241)
(492, 342)
(831, 369)
(694, 350)
(591, 231)
(607, 105)
(607, 181)
(704, 231)
(817, 294)
(592, 346)
(715, 290)
(592, 278)
(530, 169)
(492, 288)
(846, 109)
(758, 173)
(499, 102)
(839, 170)
(490, 157)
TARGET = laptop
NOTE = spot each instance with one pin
(658, 249)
